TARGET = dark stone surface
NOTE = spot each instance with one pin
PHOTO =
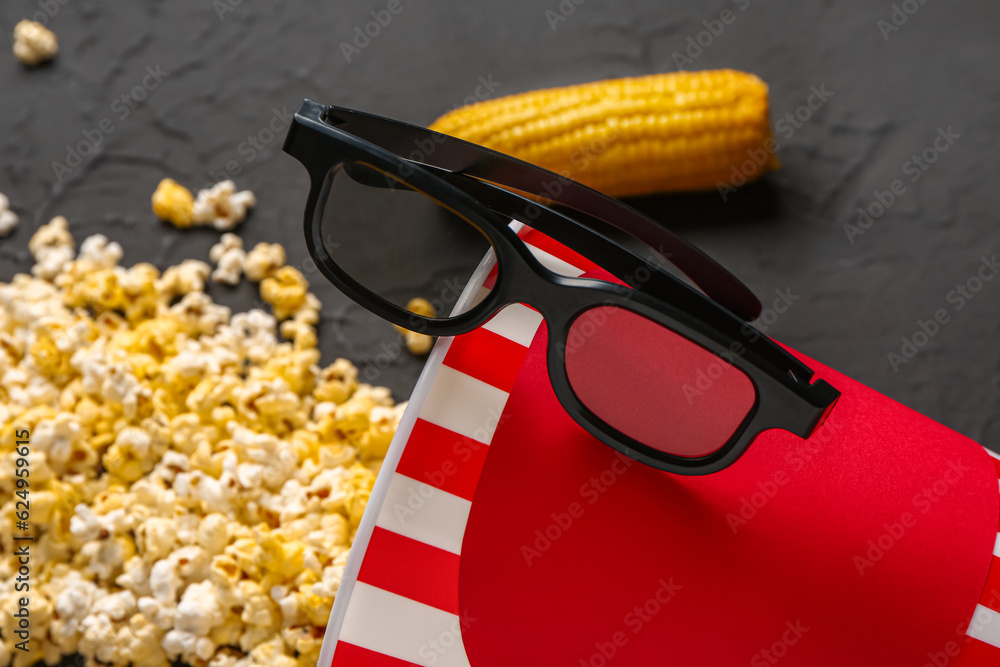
(229, 68)
(227, 74)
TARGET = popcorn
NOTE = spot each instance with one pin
(304, 638)
(197, 481)
(106, 557)
(34, 43)
(198, 611)
(116, 606)
(301, 328)
(222, 207)
(50, 237)
(285, 290)
(188, 276)
(259, 610)
(187, 646)
(156, 537)
(57, 439)
(418, 343)
(190, 562)
(97, 253)
(292, 608)
(337, 382)
(139, 290)
(164, 582)
(74, 597)
(226, 657)
(173, 203)
(98, 637)
(330, 584)
(135, 575)
(198, 314)
(212, 534)
(88, 525)
(228, 242)
(263, 261)
(141, 642)
(272, 652)
(52, 247)
(254, 332)
(9, 220)
(228, 255)
(161, 614)
(383, 422)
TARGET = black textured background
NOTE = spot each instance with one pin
(231, 64)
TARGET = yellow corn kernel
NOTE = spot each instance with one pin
(633, 136)
(173, 203)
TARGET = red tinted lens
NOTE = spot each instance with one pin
(654, 385)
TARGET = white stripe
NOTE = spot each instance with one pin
(425, 514)
(992, 453)
(553, 263)
(985, 626)
(516, 322)
(996, 547)
(392, 625)
(465, 405)
(475, 284)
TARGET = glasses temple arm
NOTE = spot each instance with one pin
(424, 146)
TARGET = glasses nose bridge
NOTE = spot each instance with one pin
(560, 299)
(537, 285)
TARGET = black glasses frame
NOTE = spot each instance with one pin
(483, 187)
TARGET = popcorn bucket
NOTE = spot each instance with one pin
(500, 532)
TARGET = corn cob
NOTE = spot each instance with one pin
(633, 136)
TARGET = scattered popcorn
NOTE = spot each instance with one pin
(188, 276)
(222, 207)
(263, 261)
(34, 43)
(48, 237)
(227, 243)
(197, 479)
(418, 343)
(9, 220)
(286, 291)
(52, 247)
(421, 307)
(97, 253)
(228, 255)
(173, 203)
